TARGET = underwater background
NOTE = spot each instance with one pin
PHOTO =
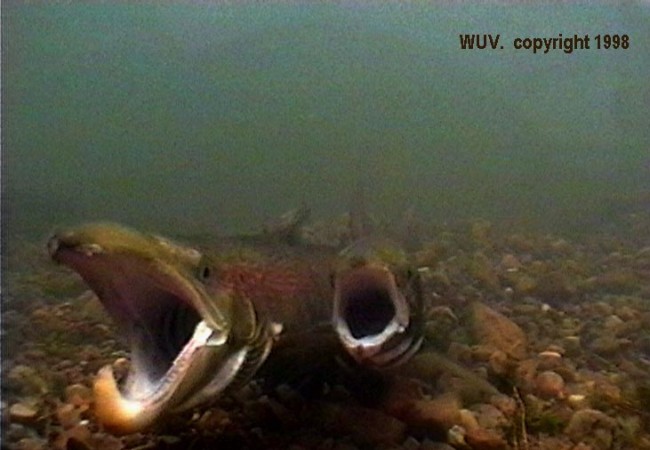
(215, 117)
(517, 183)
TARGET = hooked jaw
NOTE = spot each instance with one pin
(372, 317)
(180, 355)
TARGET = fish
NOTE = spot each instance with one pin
(378, 305)
(201, 323)
(196, 325)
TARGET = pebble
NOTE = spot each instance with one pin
(78, 438)
(499, 363)
(491, 328)
(78, 395)
(627, 313)
(467, 419)
(440, 413)
(510, 263)
(591, 426)
(571, 344)
(31, 444)
(27, 380)
(549, 384)
(608, 345)
(507, 405)
(480, 438)
(456, 436)
(603, 308)
(68, 415)
(549, 360)
(367, 427)
(428, 444)
(23, 413)
(614, 325)
(578, 401)
(490, 417)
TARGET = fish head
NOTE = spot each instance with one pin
(377, 310)
(189, 337)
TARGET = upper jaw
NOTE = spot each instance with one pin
(180, 334)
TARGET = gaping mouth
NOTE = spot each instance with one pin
(372, 317)
(368, 303)
(177, 359)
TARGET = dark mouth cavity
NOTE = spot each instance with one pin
(368, 306)
(161, 324)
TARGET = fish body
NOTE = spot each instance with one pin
(200, 323)
(196, 325)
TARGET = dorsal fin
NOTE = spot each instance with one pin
(288, 227)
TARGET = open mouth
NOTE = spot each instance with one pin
(368, 305)
(372, 317)
(178, 356)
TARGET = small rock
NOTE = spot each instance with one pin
(480, 438)
(627, 313)
(549, 360)
(481, 269)
(614, 325)
(366, 426)
(525, 373)
(103, 441)
(31, 444)
(592, 427)
(78, 395)
(510, 263)
(456, 436)
(410, 444)
(68, 415)
(480, 231)
(494, 329)
(499, 363)
(608, 345)
(439, 414)
(26, 380)
(549, 384)
(578, 401)
(467, 419)
(524, 284)
(213, 419)
(555, 287)
(619, 281)
(15, 432)
(23, 413)
(428, 444)
(572, 345)
(507, 405)
(603, 308)
(489, 417)
(78, 438)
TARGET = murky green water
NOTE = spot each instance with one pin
(218, 117)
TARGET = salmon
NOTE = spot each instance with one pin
(201, 323)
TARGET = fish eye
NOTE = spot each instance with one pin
(204, 272)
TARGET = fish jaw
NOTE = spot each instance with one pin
(132, 412)
(184, 348)
(372, 317)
